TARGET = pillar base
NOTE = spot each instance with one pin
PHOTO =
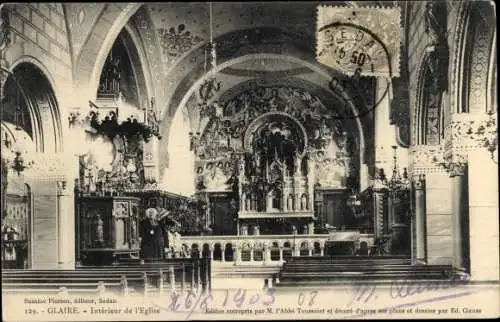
(419, 262)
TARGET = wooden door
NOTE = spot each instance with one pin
(334, 205)
(222, 216)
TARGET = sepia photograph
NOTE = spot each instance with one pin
(263, 160)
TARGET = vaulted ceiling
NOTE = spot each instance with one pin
(276, 39)
(258, 43)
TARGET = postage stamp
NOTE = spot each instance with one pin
(363, 40)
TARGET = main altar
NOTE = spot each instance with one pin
(271, 159)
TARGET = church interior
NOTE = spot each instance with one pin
(150, 134)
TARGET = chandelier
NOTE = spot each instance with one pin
(399, 183)
(15, 147)
(208, 89)
(12, 152)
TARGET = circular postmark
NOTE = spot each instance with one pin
(358, 53)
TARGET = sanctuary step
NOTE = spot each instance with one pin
(124, 279)
(322, 270)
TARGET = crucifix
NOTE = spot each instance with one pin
(89, 178)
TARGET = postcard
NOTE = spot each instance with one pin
(249, 160)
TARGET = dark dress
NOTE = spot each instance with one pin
(152, 243)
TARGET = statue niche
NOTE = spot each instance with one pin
(273, 170)
(275, 141)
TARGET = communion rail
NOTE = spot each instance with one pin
(132, 278)
(272, 249)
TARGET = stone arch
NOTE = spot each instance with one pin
(475, 64)
(142, 70)
(37, 89)
(17, 199)
(428, 122)
(313, 67)
(252, 127)
(113, 19)
(134, 64)
(172, 107)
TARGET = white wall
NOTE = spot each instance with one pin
(179, 177)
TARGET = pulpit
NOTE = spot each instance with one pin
(107, 229)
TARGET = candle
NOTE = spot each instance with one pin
(146, 113)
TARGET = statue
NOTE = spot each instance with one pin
(133, 230)
(200, 179)
(432, 26)
(303, 202)
(99, 229)
(290, 203)
(243, 201)
(331, 148)
(208, 173)
(297, 163)
(218, 179)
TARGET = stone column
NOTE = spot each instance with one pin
(281, 253)
(150, 162)
(420, 220)
(459, 209)
(310, 252)
(322, 251)
(318, 205)
(244, 229)
(65, 225)
(211, 254)
(237, 255)
(269, 198)
(482, 179)
(171, 277)
(267, 254)
(296, 250)
(310, 228)
(380, 209)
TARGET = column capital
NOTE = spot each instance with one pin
(62, 186)
(419, 181)
(456, 168)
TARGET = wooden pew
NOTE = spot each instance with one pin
(156, 277)
(317, 270)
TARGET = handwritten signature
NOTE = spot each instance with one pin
(404, 289)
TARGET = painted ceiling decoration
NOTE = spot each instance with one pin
(234, 45)
(176, 41)
(173, 36)
(81, 18)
